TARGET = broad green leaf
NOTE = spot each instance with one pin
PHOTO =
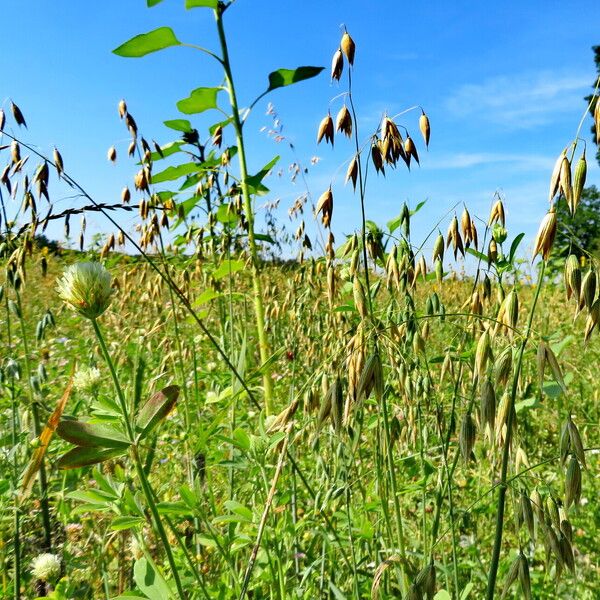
(443, 595)
(151, 3)
(254, 182)
(145, 43)
(238, 509)
(149, 581)
(201, 99)
(91, 435)
(90, 496)
(201, 3)
(122, 523)
(466, 592)
(242, 439)
(283, 77)
(172, 173)
(482, 257)
(83, 457)
(227, 267)
(156, 409)
(167, 150)
(393, 224)
(206, 296)
(263, 237)
(179, 125)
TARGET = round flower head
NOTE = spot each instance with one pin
(46, 567)
(86, 378)
(85, 287)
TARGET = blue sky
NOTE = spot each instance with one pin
(502, 83)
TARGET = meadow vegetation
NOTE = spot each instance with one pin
(384, 417)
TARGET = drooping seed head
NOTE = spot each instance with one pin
(348, 47)
(546, 234)
(424, 127)
(337, 65)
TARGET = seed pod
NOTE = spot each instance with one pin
(125, 195)
(537, 505)
(524, 578)
(352, 172)
(579, 182)
(122, 108)
(131, 125)
(541, 362)
(112, 154)
(325, 206)
(439, 270)
(564, 182)
(597, 119)
(348, 47)
(483, 354)
(488, 405)
(546, 234)
(466, 439)
(337, 65)
(503, 366)
(527, 514)
(576, 443)
(18, 115)
(572, 277)
(343, 121)
(424, 127)
(492, 252)
(425, 581)
(497, 214)
(573, 483)
(566, 551)
(555, 179)
(552, 512)
(360, 300)
(592, 320)
(438, 248)
(511, 576)
(2, 119)
(556, 370)
(377, 158)
(564, 443)
(588, 289)
(325, 130)
(410, 149)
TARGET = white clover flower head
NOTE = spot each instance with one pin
(86, 378)
(46, 567)
(86, 288)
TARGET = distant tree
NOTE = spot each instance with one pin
(577, 234)
(588, 99)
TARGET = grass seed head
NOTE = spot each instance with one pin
(343, 121)
(573, 483)
(348, 47)
(546, 234)
(352, 172)
(424, 127)
(579, 182)
(337, 65)
(325, 130)
(555, 178)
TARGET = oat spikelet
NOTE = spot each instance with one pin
(555, 179)
(424, 127)
(348, 47)
(325, 130)
(325, 206)
(343, 121)
(337, 65)
(579, 182)
(352, 172)
(112, 154)
(546, 234)
(497, 214)
(122, 108)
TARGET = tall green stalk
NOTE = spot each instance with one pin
(259, 310)
(146, 488)
(503, 485)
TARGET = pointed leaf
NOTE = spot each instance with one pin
(283, 77)
(91, 435)
(514, 246)
(82, 457)
(199, 100)
(179, 125)
(173, 173)
(151, 3)
(156, 409)
(145, 43)
(201, 3)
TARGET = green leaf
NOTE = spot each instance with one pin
(466, 592)
(514, 246)
(418, 208)
(227, 216)
(91, 435)
(443, 595)
(254, 182)
(167, 150)
(172, 173)
(83, 457)
(201, 99)
(283, 77)
(394, 223)
(122, 523)
(482, 257)
(201, 3)
(151, 3)
(145, 43)
(179, 125)
(149, 581)
(156, 409)
(227, 267)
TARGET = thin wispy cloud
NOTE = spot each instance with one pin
(466, 160)
(520, 101)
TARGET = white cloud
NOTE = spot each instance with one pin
(520, 101)
(466, 160)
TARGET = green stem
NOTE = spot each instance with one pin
(148, 493)
(259, 311)
(503, 486)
